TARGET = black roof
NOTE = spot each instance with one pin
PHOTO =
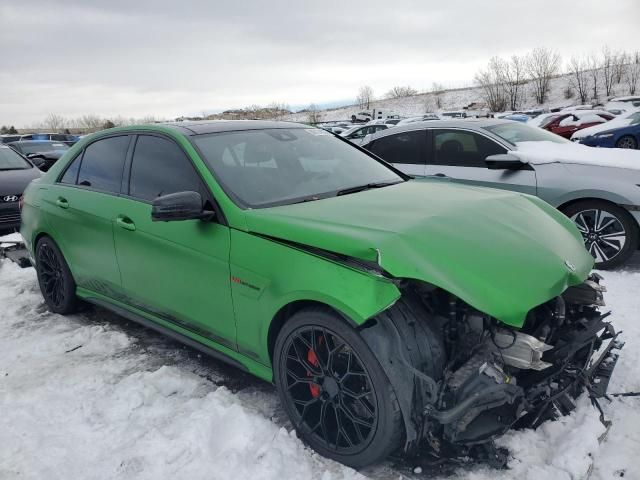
(215, 126)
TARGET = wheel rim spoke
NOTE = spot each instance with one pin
(603, 233)
(329, 389)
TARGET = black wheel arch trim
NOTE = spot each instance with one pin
(403, 351)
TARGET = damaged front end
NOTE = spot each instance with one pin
(463, 378)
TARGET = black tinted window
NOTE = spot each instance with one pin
(102, 164)
(160, 167)
(463, 148)
(71, 174)
(406, 147)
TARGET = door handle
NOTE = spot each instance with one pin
(62, 202)
(441, 175)
(126, 223)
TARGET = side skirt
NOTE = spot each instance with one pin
(180, 334)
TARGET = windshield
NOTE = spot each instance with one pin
(10, 160)
(514, 132)
(262, 168)
(635, 118)
(38, 147)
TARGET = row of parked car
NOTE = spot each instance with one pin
(584, 124)
(22, 159)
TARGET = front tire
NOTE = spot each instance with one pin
(334, 390)
(609, 232)
(54, 277)
(627, 142)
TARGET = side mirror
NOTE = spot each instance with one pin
(504, 161)
(179, 206)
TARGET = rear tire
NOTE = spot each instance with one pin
(334, 390)
(54, 277)
(627, 141)
(609, 232)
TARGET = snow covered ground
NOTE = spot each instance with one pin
(93, 396)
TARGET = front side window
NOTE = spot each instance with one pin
(462, 148)
(159, 167)
(405, 147)
(262, 168)
(102, 164)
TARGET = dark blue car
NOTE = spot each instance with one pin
(618, 133)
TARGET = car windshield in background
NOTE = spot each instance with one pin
(41, 147)
(263, 168)
(10, 160)
(515, 132)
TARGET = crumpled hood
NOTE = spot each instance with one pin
(501, 252)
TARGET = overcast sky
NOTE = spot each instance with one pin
(166, 57)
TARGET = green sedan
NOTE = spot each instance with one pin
(391, 314)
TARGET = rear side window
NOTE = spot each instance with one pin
(462, 148)
(160, 167)
(71, 174)
(406, 147)
(102, 164)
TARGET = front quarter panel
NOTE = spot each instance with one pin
(560, 183)
(267, 275)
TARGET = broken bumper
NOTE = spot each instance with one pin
(491, 401)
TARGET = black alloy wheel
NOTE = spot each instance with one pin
(330, 389)
(54, 277)
(334, 390)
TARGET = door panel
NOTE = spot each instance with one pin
(459, 155)
(516, 180)
(81, 224)
(80, 212)
(177, 270)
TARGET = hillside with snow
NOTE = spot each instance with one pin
(457, 99)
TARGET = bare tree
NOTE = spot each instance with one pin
(313, 115)
(633, 73)
(365, 97)
(54, 122)
(400, 92)
(437, 90)
(594, 71)
(542, 65)
(608, 69)
(513, 74)
(277, 110)
(90, 123)
(491, 83)
(579, 77)
(621, 62)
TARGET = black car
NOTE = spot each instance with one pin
(15, 174)
(43, 153)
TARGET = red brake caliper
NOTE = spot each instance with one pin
(313, 360)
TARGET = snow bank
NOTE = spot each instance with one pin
(538, 153)
(80, 399)
(83, 399)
